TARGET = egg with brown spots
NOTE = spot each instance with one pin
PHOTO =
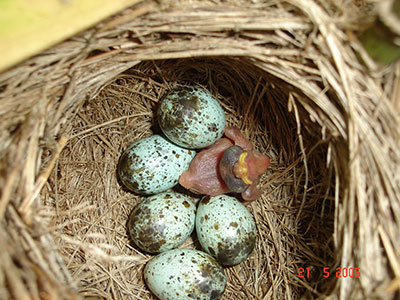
(153, 165)
(225, 229)
(191, 117)
(162, 222)
(185, 274)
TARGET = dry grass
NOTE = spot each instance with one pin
(286, 73)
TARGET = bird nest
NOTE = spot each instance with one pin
(291, 75)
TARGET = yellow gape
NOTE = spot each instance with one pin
(243, 169)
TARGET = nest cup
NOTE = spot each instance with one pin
(286, 74)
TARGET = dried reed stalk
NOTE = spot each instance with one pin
(287, 73)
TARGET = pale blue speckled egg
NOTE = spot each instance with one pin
(153, 165)
(225, 229)
(162, 222)
(191, 117)
(185, 274)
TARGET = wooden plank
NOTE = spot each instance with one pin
(27, 27)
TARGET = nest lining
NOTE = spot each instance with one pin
(332, 133)
(90, 208)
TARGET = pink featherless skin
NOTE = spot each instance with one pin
(203, 176)
(233, 133)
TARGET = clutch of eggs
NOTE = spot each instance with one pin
(191, 117)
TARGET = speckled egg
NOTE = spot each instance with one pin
(153, 165)
(191, 117)
(225, 229)
(162, 222)
(185, 274)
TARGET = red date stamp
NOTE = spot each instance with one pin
(339, 272)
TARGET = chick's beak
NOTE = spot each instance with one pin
(250, 166)
(241, 170)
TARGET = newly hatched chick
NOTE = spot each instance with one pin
(229, 165)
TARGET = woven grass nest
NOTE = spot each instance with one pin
(289, 74)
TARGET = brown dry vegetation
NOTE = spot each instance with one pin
(288, 74)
